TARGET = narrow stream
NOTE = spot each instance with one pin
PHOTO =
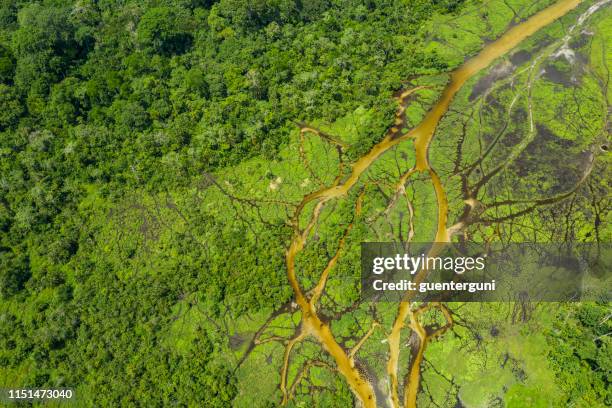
(422, 135)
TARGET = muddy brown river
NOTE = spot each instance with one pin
(422, 135)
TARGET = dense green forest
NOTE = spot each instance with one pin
(149, 167)
(100, 98)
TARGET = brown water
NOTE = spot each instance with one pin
(422, 135)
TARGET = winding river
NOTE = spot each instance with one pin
(422, 135)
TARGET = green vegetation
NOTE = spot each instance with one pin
(583, 331)
(152, 155)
